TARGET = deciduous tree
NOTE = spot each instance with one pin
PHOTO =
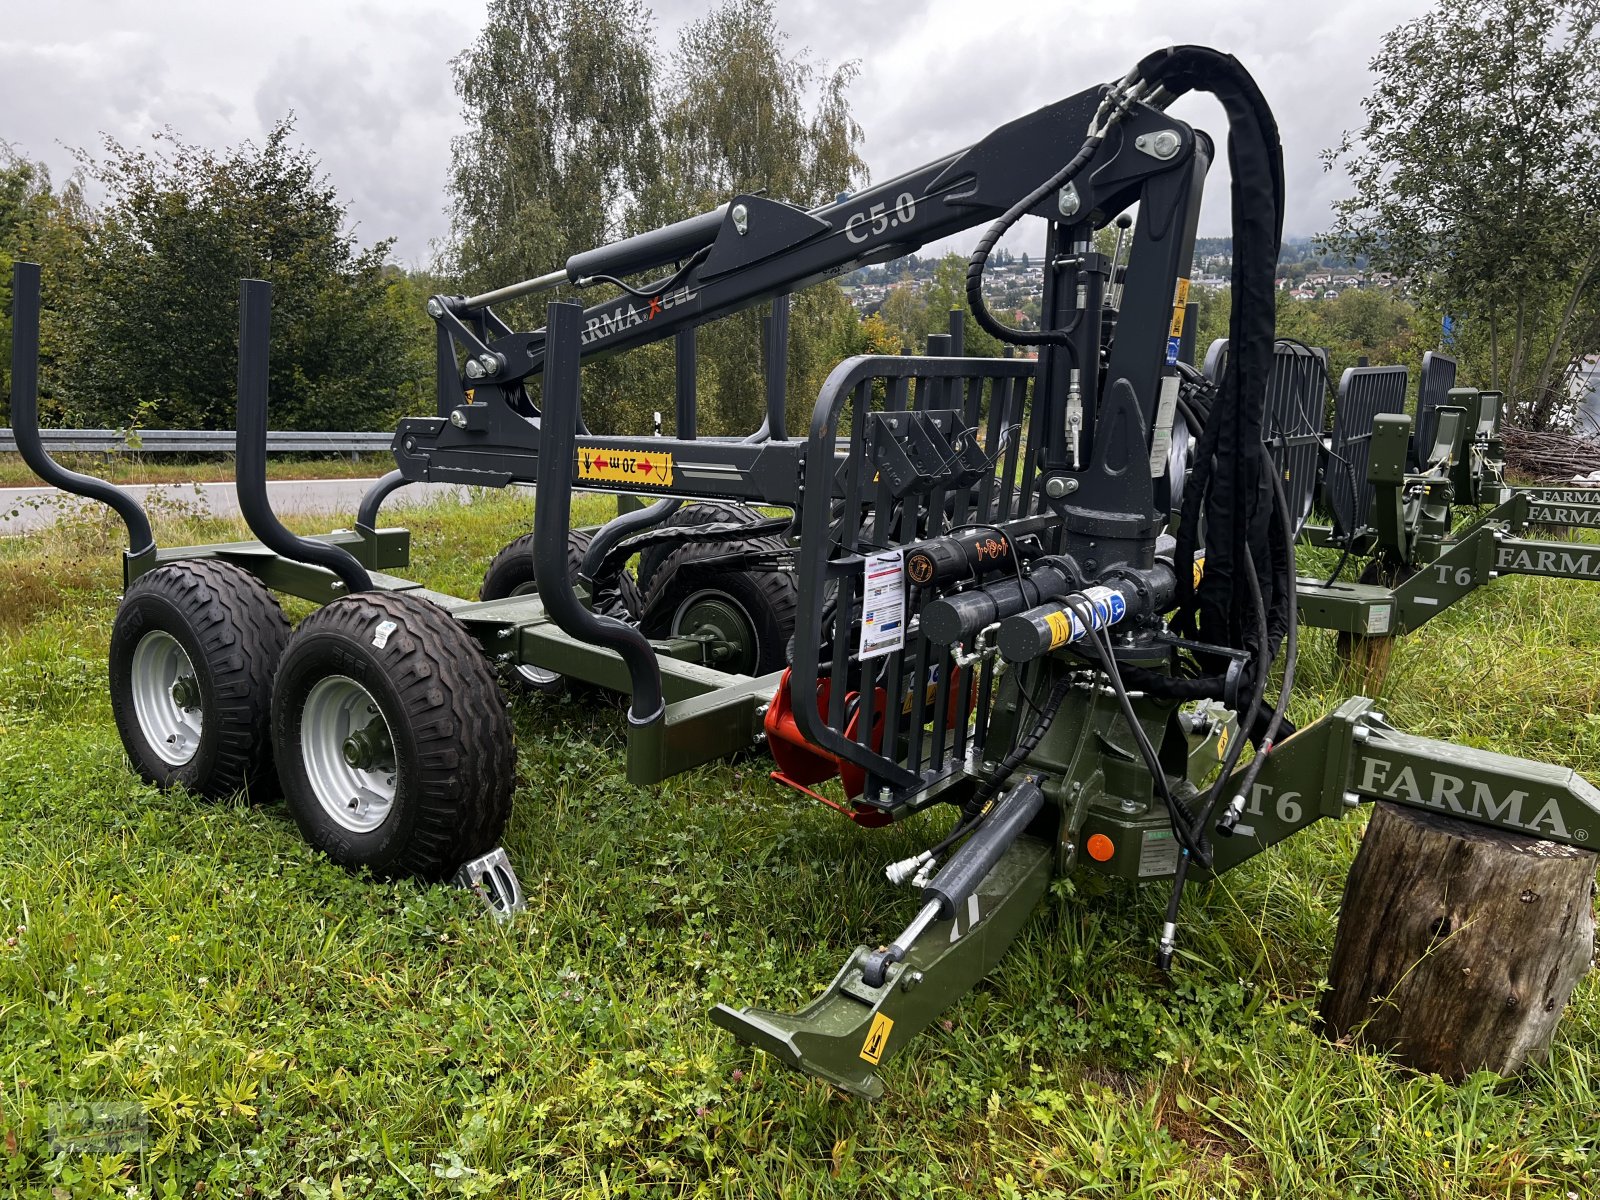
(153, 335)
(1477, 176)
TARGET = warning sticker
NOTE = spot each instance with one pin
(877, 1038)
(883, 604)
(1180, 302)
(645, 468)
(1060, 629)
(1378, 618)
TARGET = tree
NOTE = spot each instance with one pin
(154, 331)
(735, 120)
(1357, 324)
(581, 133)
(949, 291)
(37, 225)
(1477, 177)
(561, 136)
(905, 314)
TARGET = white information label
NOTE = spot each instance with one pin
(1161, 440)
(883, 604)
(1378, 617)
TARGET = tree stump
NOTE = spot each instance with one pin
(1364, 661)
(1458, 944)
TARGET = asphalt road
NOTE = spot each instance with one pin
(24, 509)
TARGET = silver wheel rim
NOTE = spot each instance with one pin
(166, 698)
(339, 712)
(536, 676)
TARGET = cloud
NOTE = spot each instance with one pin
(370, 83)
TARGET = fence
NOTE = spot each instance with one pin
(200, 441)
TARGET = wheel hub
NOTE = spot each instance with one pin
(166, 698)
(722, 627)
(348, 752)
(186, 693)
(368, 747)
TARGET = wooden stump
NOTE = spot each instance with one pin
(1363, 661)
(1458, 944)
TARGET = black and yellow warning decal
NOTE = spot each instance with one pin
(637, 468)
(1060, 629)
(1180, 302)
(877, 1038)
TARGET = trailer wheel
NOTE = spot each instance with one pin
(511, 574)
(700, 512)
(193, 650)
(748, 614)
(393, 742)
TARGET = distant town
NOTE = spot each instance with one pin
(1014, 283)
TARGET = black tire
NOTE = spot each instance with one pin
(1385, 574)
(699, 512)
(451, 753)
(217, 621)
(766, 600)
(510, 573)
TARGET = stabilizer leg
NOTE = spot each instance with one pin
(853, 1028)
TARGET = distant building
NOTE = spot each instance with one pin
(1587, 386)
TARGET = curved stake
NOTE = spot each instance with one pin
(250, 449)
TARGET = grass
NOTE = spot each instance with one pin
(194, 468)
(292, 1030)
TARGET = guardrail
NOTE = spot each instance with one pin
(199, 441)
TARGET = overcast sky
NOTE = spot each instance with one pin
(370, 82)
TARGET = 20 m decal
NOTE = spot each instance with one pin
(638, 468)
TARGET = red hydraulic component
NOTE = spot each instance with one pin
(801, 762)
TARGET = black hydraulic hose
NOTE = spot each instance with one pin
(1291, 658)
(1229, 485)
(250, 447)
(1184, 826)
(972, 811)
(25, 304)
(552, 515)
(980, 256)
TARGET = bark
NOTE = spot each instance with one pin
(1494, 347)
(1459, 944)
(1553, 355)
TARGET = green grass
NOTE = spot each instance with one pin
(292, 1030)
(193, 468)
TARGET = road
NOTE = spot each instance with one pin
(25, 509)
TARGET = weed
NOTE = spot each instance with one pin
(292, 1030)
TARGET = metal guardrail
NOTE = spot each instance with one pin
(199, 441)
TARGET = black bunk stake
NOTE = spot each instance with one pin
(775, 329)
(552, 513)
(250, 447)
(25, 416)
